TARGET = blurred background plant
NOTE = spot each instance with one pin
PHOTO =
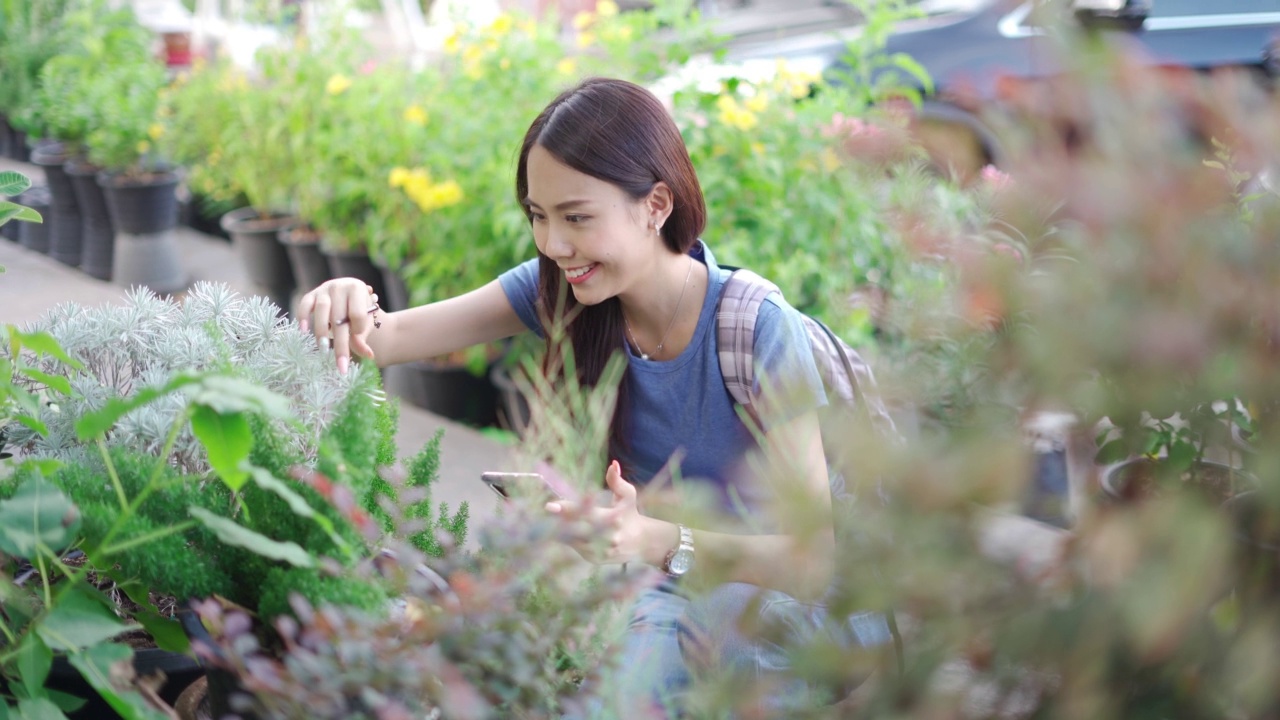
(29, 38)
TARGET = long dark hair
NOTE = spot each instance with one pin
(618, 132)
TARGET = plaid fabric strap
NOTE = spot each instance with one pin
(736, 332)
(843, 371)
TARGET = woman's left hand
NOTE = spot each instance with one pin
(621, 534)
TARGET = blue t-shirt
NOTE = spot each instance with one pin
(681, 407)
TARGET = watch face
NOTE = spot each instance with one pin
(680, 562)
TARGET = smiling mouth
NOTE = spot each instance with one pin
(579, 272)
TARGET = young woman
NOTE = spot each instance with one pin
(616, 212)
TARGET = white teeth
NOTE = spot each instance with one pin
(575, 274)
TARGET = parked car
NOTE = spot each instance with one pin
(979, 51)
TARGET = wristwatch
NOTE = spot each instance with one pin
(680, 560)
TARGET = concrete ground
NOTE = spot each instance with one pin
(33, 283)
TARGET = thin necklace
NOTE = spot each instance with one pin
(658, 350)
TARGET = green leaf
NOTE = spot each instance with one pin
(77, 621)
(228, 440)
(1113, 452)
(56, 382)
(35, 425)
(232, 533)
(39, 709)
(167, 633)
(298, 504)
(1181, 455)
(5, 711)
(13, 183)
(66, 702)
(100, 665)
(42, 343)
(14, 211)
(95, 424)
(232, 395)
(38, 513)
(33, 662)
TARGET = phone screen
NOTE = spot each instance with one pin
(507, 484)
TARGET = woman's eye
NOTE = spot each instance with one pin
(537, 217)
(575, 219)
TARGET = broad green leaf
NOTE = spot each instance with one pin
(167, 633)
(34, 661)
(66, 702)
(57, 382)
(42, 343)
(232, 533)
(77, 621)
(1113, 452)
(38, 513)
(232, 395)
(95, 424)
(32, 423)
(100, 665)
(13, 183)
(1181, 455)
(14, 211)
(228, 440)
(46, 466)
(6, 712)
(39, 709)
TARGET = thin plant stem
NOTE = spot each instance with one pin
(44, 580)
(115, 477)
(149, 537)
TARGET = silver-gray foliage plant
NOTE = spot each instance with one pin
(149, 340)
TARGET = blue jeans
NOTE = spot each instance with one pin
(670, 639)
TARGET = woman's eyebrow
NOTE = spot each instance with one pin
(566, 205)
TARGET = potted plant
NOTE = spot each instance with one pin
(139, 188)
(222, 479)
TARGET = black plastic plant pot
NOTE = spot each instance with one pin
(18, 148)
(355, 264)
(64, 224)
(513, 409)
(451, 391)
(4, 136)
(397, 290)
(35, 236)
(1133, 481)
(221, 684)
(9, 231)
(310, 266)
(1256, 557)
(97, 234)
(142, 205)
(266, 262)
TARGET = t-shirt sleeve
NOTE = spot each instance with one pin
(786, 376)
(520, 283)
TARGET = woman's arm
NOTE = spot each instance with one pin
(341, 308)
(798, 562)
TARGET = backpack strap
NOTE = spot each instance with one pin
(736, 315)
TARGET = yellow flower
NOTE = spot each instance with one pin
(143, 147)
(155, 131)
(398, 177)
(505, 63)
(586, 39)
(502, 24)
(415, 115)
(582, 20)
(757, 148)
(830, 161)
(528, 27)
(472, 54)
(338, 84)
(607, 8)
(757, 103)
(452, 42)
(567, 66)
(625, 32)
(473, 70)
(734, 115)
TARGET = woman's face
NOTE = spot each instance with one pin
(601, 238)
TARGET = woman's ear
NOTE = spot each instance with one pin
(659, 204)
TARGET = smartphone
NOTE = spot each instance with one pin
(508, 484)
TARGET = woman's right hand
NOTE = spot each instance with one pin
(339, 312)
